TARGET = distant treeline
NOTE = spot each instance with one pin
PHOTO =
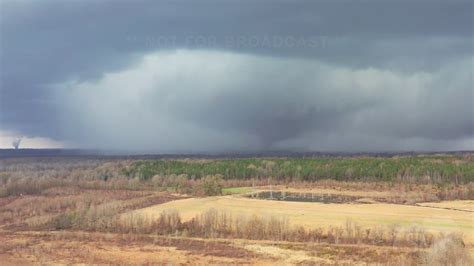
(427, 168)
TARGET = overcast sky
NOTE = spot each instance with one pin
(227, 76)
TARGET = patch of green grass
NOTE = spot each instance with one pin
(236, 190)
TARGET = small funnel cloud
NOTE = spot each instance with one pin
(16, 143)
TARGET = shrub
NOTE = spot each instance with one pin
(212, 185)
(448, 251)
(63, 221)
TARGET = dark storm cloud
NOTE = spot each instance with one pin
(241, 101)
(47, 44)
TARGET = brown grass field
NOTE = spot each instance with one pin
(74, 217)
(22, 245)
(462, 205)
(442, 219)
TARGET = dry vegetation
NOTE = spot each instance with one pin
(51, 208)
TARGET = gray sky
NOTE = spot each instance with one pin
(182, 76)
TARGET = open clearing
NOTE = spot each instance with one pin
(313, 215)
